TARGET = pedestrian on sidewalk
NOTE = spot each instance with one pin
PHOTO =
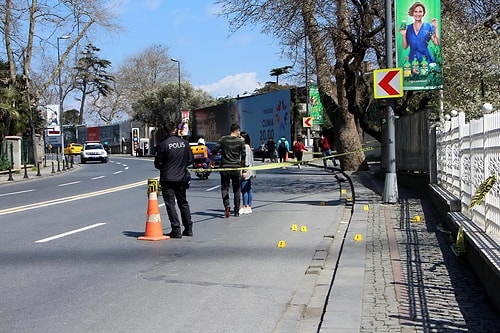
(233, 153)
(271, 150)
(283, 149)
(326, 150)
(246, 176)
(298, 151)
(172, 158)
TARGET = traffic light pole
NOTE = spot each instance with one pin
(135, 140)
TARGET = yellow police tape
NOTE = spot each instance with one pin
(280, 165)
(482, 190)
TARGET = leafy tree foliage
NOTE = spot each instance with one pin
(70, 117)
(280, 71)
(471, 38)
(161, 105)
(91, 77)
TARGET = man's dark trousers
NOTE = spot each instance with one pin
(227, 177)
(172, 191)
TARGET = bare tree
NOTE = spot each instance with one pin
(341, 37)
(30, 29)
(109, 108)
(345, 35)
(142, 73)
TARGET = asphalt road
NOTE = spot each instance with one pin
(70, 260)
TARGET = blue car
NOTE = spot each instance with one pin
(218, 157)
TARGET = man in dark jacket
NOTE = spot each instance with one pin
(173, 155)
(232, 148)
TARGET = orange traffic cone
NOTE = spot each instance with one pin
(154, 231)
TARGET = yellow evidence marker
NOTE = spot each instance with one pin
(281, 244)
(294, 227)
(366, 208)
(417, 218)
(303, 228)
(358, 237)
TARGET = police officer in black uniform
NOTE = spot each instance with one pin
(173, 155)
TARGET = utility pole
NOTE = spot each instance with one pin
(391, 181)
(179, 101)
(60, 115)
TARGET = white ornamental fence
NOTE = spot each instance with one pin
(467, 155)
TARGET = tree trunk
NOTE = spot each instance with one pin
(82, 104)
(333, 97)
(27, 69)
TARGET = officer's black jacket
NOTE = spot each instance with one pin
(173, 155)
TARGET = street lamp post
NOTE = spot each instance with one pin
(308, 130)
(60, 115)
(179, 106)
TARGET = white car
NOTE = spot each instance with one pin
(93, 151)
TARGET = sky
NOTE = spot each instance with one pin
(210, 57)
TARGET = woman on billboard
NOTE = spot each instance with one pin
(418, 34)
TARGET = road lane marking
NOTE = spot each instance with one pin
(69, 233)
(212, 188)
(95, 178)
(69, 199)
(117, 172)
(72, 183)
(12, 193)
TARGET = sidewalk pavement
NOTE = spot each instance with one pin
(395, 272)
(49, 169)
(402, 276)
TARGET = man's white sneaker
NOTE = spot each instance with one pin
(248, 210)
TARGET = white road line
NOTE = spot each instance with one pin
(212, 188)
(98, 177)
(12, 193)
(69, 199)
(69, 233)
(72, 183)
(117, 172)
(126, 168)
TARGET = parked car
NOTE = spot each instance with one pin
(93, 151)
(218, 157)
(73, 149)
(261, 154)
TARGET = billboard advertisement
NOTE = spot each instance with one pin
(52, 127)
(262, 117)
(418, 43)
(315, 106)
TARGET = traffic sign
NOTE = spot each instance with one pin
(307, 121)
(388, 83)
